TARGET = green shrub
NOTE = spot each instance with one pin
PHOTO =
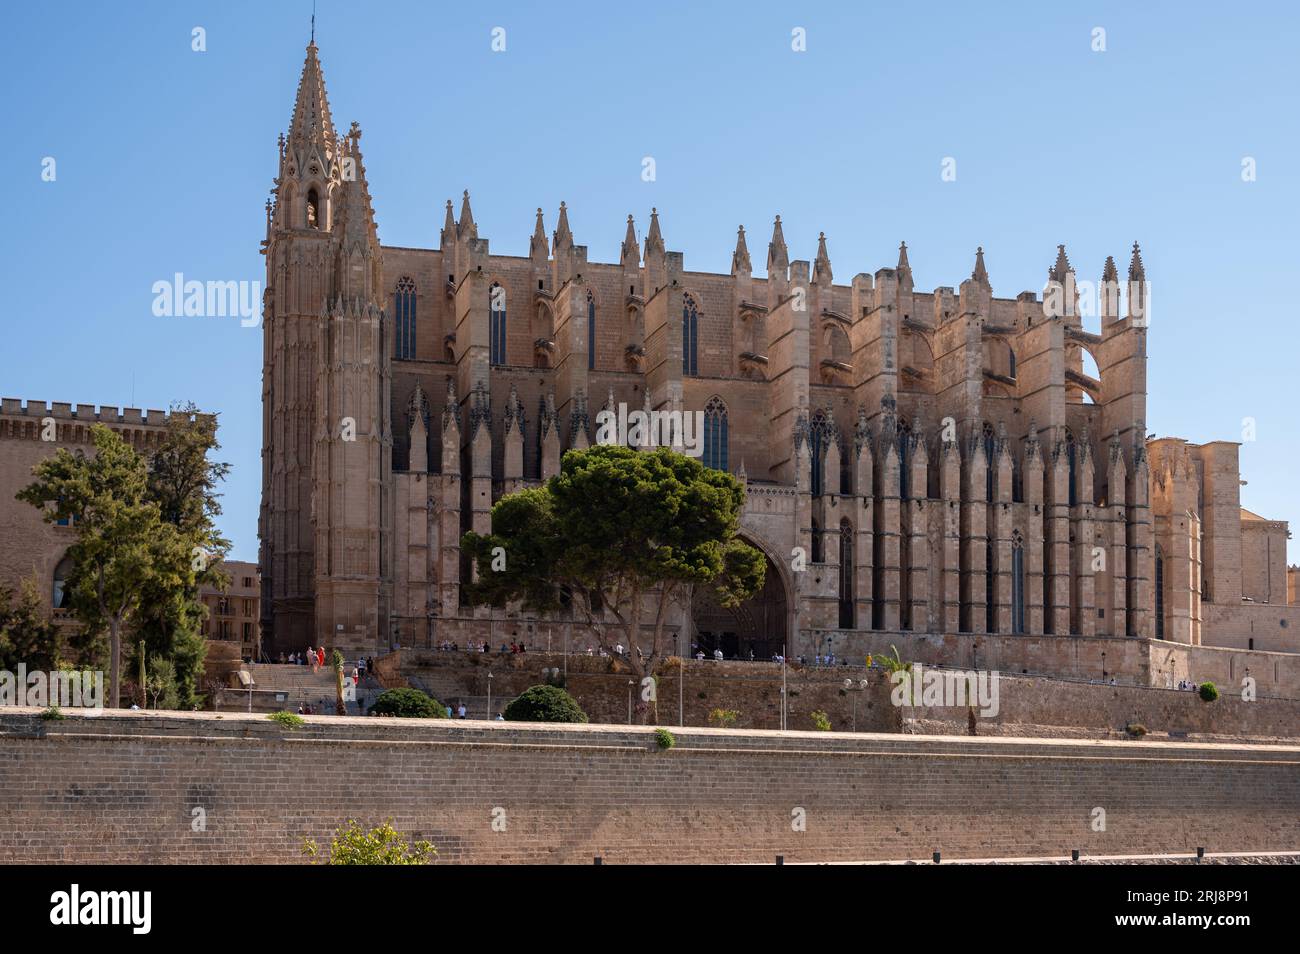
(724, 718)
(1208, 691)
(52, 714)
(664, 739)
(821, 722)
(287, 720)
(1136, 729)
(408, 704)
(544, 704)
(353, 845)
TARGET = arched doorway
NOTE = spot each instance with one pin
(758, 625)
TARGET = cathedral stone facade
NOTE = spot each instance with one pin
(915, 461)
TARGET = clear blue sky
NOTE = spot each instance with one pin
(165, 156)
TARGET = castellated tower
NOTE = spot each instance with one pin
(915, 462)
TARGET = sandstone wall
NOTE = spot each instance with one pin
(125, 788)
(600, 686)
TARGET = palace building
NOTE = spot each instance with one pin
(916, 461)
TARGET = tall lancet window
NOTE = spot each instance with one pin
(819, 440)
(591, 332)
(496, 324)
(989, 615)
(904, 458)
(846, 574)
(1069, 451)
(1160, 593)
(690, 337)
(404, 312)
(313, 210)
(1017, 583)
(990, 445)
(715, 434)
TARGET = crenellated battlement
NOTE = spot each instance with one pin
(84, 413)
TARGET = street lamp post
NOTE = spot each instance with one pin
(1103, 665)
(489, 706)
(850, 688)
(630, 684)
(783, 687)
(681, 683)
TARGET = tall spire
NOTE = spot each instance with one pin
(903, 265)
(1138, 306)
(654, 240)
(740, 257)
(563, 235)
(356, 214)
(1136, 271)
(778, 257)
(1109, 272)
(822, 266)
(980, 275)
(466, 227)
(630, 253)
(1062, 266)
(537, 245)
(311, 109)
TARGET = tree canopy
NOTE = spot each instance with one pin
(618, 538)
(145, 541)
(544, 704)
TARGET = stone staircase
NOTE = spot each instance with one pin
(302, 686)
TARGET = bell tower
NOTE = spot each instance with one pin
(324, 384)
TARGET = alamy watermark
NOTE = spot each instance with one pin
(683, 431)
(946, 688)
(180, 298)
(66, 688)
(1084, 299)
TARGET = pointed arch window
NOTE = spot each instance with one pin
(496, 324)
(990, 445)
(1160, 593)
(818, 556)
(404, 312)
(846, 574)
(313, 209)
(60, 596)
(989, 581)
(690, 337)
(715, 434)
(1069, 451)
(591, 332)
(819, 441)
(904, 458)
(1017, 583)
(1011, 361)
